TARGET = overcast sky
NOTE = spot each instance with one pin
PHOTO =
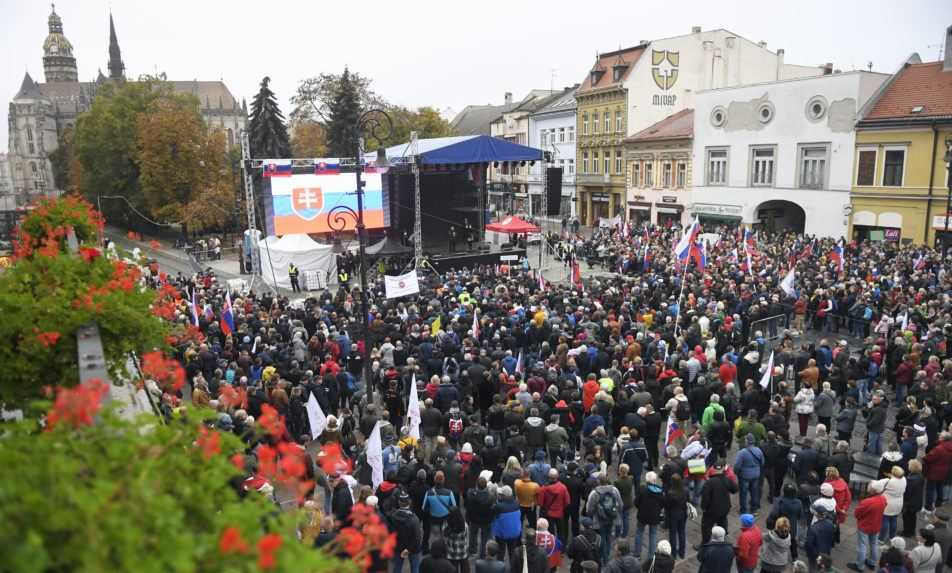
(443, 53)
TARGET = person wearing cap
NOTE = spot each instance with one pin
(586, 547)
(716, 555)
(406, 525)
(869, 521)
(748, 544)
(819, 536)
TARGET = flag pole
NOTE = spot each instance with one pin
(677, 316)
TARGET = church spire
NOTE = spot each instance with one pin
(116, 68)
(59, 64)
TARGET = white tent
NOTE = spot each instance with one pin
(307, 254)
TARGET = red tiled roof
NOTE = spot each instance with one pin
(918, 84)
(605, 62)
(676, 126)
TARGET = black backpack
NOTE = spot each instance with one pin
(606, 507)
(683, 410)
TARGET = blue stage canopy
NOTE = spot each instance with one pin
(465, 149)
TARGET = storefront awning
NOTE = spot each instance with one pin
(669, 209)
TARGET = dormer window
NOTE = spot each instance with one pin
(596, 75)
(618, 70)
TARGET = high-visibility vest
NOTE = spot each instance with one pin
(342, 277)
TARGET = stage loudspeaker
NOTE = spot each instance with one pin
(553, 190)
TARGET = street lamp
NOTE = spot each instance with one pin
(377, 124)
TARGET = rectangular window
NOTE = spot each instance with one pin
(584, 162)
(762, 166)
(636, 174)
(608, 162)
(33, 169)
(866, 167)
(29, 133)
(716, 166)
(32, 148)
(812, 167)
(561, 135)
(571, 167)
(618, 121)
(594, 162)
(543, 137)
(584, 124)
(608, 122)
(571, 134)
(595, 122)
(682, 174)
(893, 165)
(666, 174)
(649, 174)
(618, 162)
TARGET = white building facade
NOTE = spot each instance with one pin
(552, 129)
(779, 155)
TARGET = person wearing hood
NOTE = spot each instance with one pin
(748, 545)
(893, 487)
(775, 551)
(716, 555)
(539, 469)
(869, 522)
(534, 430)
(841, 493)
(662, 562)
(649, 502)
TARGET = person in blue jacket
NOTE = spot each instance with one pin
(819, 537)
(748, 467)
(437, 503)
(507, 522)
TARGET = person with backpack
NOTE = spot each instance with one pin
(406, 525)
(748, 466)
(869, 521)
(604, 505)
(479, 513)
(586, 547)
(649, 502)
(437, 503)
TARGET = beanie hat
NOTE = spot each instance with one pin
(717, 533)
(467, 448)
(898, 543)
(826, 490)
(747, 521)
(664, 547)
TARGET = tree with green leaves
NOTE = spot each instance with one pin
(315, 96)
(267, 131)
(342, 115)
(426, 121)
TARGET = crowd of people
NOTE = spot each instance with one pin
(584, 424)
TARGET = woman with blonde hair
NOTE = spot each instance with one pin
(894, 488)
(511, 472)
(775, 550)
(912, 498)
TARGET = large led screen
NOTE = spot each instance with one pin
(302, 201)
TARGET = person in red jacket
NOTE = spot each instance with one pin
(869, 519)
(727, 371)
(748, 544)
(937, 463)
(553, 499)
(904, 374)
(589, 389)
(841, 493)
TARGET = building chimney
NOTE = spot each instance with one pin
(695, 29)
(508, 98)
(780, 54)
(947, 62)
(827, 68)
(762, 44)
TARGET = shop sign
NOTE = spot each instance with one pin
(669, 199)
(938, 222)
(891, 235)
(723, 210)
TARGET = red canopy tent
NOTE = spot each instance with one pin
(512, 225)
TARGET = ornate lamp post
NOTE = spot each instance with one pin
(377, 124)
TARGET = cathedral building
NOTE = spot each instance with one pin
(40, 112)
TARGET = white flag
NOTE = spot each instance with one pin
(520, 367)
(375, 455)
(413, 410)
(768, 374)
(786, 285)
(316, 417)
(402, 285)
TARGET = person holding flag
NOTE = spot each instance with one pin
(227, 320)
(682, 249)
(194, 307)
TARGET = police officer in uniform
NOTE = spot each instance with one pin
(342, 276)
(293, 275)
(452, 238)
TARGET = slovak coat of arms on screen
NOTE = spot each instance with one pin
(307, 202)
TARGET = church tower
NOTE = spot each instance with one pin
(117, 70)
(59, 65)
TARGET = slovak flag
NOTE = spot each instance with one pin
(699, 254)
(541, 281)
(919, 263)
(683, 248)
(733, 256)
(748, 238)
(475, 326)
(551, 546)
(837, 255)
(520, 367)
(209, 313)
(227, 319)
(673, 432)
(807, 251)
(277, 168)
(646, 261)
(576, 274)
(194, 306)
(324, 168)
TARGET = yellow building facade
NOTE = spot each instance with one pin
(900, 186)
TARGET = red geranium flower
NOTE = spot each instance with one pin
(271, 421)
(166, 372)
(48, 339)
(231, 542)
(209, 442)
(267, 547)
(89, 254)
(77, 406)
(238, 461)
(332, 460)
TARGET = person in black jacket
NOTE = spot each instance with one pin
(492, 563)
(406, 525)
(649, 502)
(586, 546)
(676, 515)
(775, 464)
(716, 555)
(342, 500)
(479, 513)
(912, 499)
(716, 501)
(436, 561)
(537, 560)
(624, 561)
